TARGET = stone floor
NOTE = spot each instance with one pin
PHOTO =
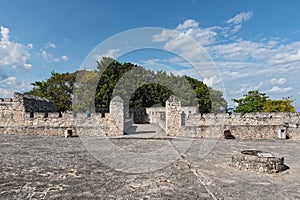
(36, 167)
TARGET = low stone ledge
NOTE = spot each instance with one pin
(257, 161)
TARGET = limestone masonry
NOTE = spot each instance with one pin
(31, 115)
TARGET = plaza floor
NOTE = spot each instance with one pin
(39, 167)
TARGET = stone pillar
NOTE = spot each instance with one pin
(116, 110)
(173, 116)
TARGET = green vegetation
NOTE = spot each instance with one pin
(58, 89)
(283, 105)
(136, 85)
(254, 101)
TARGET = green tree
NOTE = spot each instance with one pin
(110, 72)
(253, 101)
(149, 95)
(202, 94)
(283, 105)
(58, 89)
(218, 103)
(83, 90)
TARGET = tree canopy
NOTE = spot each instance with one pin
(283, 105)
(135, 84)
(254, 101)
(58, 89)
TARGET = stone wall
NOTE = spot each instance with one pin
(264, 163)
(157, 115)
(32, 103)
(173, 116)
(138, 115)
(116, 109)
(29, 115)
(20, 116)
(53, 124)
(243, 126)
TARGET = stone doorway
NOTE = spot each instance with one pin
(139, 123)
(141, 120)
(139, 115)
(144, 130)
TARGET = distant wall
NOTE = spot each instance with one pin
(29, 115)
(157, 115)
(32, 103)
(52, 124)
(243, 126)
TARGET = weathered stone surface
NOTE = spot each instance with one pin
(116, 109)
(247, 126)
(26, 114)
(38, 167)
(30, 115)
(263, 162)
(34, 104)
(173, 116)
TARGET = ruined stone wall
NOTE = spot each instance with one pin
(139, 115)
(243, 126)
(32, 103)
(116, 109)
(266, 162)
(157, 115)
(29, 115)
(173, 116)
(52, 124)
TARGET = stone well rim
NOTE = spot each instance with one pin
(258, 153)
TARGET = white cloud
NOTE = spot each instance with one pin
(286, 57)
(64, 57)
(241, 50)
(13, 54)
(10, 84)
(50, 45)
(278, 81)
(260, 64)
(241, 17)
(239, 91)
(178, 61)
(4, 92)
(235, 23)
(44, 55)
(236, 28)
(8, 81)
(189, 28)
(30, 46)
(113, 53)
(157, 65)
(187, 24)
(5, 34)
(27, 66)
(48, 57)
(61, 58)
(154, 61)
(277, 89)
(165, 35)
(211, 81)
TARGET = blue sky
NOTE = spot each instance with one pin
(254, 44)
